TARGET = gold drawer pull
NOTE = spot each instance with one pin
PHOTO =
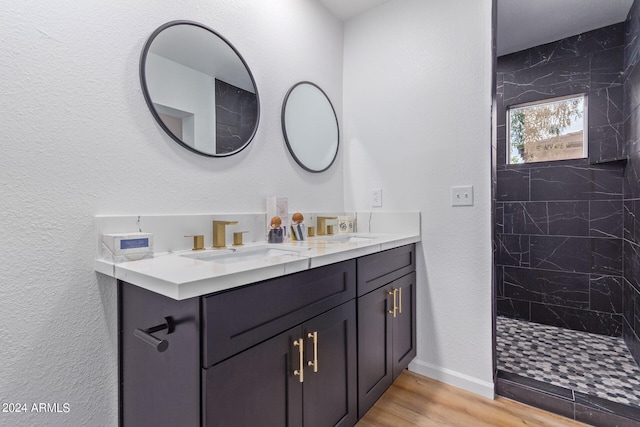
(300, 372)
(314, 335)
(395, 306)
(400, 300)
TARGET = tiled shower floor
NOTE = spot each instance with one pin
(593, 364)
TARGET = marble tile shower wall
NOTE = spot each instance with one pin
(559, 232)
(631, 245)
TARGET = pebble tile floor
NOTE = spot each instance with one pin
(593, 364)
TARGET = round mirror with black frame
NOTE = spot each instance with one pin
(199, 89)
(310, 127)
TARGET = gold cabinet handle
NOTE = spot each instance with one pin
(400, 300)
(314, 335)
(395, 306)
(300, 372)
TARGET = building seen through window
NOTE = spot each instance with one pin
(552, 129)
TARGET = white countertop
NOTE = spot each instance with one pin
(180, 277)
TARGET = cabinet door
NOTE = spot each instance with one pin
(256, 387)
(404, 324)
(330, 394)
(375, 346)
(158, 388)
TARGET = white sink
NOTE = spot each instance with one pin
(247, 254)
(345, 238)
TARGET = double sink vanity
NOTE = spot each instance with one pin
(310, 332)
(303, 333)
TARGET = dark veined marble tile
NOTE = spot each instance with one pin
(535, 398)
(577, 319)
(501, 116)
(632, 340)
(501, 149)
(542, 386)
(515, 309)
(596, 182)
(513, 61)
(607, 143)
(513, 184)
(548, 287)
(636, 313)
(594, 416)
(569, 254)
(498, 283)
(568, 218)
(606, 218)
(607, 68)
(632, 81)
(606, 256)
(607, 37)
(632, 177)
(606, 293)
(580, 45)
(561, 78)
(513, 250)
(632, 263)
(632, 36)
(629, 220)
(525, 218)
(628, 302)
(606, 406)
(606, 106)
(499, 218)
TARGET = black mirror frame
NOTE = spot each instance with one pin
(147, 96)
(284, 128)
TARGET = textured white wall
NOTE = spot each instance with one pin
(417, 115)
(78, 140)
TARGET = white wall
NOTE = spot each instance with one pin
(189, 92)
(417, 115)
(78, 140)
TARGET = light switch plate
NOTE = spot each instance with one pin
(376, 197)
(462, 195)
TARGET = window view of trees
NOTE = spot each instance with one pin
(549, 130)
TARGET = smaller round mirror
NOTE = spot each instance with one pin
(310, 127)
(199, 89)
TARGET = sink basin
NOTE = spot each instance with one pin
(348, 238)
(247, 254)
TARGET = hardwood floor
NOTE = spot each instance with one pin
(414, 400)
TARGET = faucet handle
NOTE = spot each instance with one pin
(322, 225)
(219, 233)
(237, 238)
(198, 242)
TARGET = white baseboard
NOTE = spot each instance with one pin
(456, 379)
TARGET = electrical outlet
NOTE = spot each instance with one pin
(376, 197)
(462, 196)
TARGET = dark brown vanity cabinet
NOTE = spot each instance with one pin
(313, 349)
(386, 321)
(281, 352)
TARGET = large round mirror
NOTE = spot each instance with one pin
(310, 127)
(199, 89)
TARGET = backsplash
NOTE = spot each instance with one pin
(169, 231)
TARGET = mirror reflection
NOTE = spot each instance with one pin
(199, 89)
(310, 127)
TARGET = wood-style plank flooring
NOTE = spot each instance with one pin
(414, 400)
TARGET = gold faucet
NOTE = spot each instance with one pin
(219, 231)
(322, 225)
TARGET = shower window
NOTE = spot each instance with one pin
(552, 129)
